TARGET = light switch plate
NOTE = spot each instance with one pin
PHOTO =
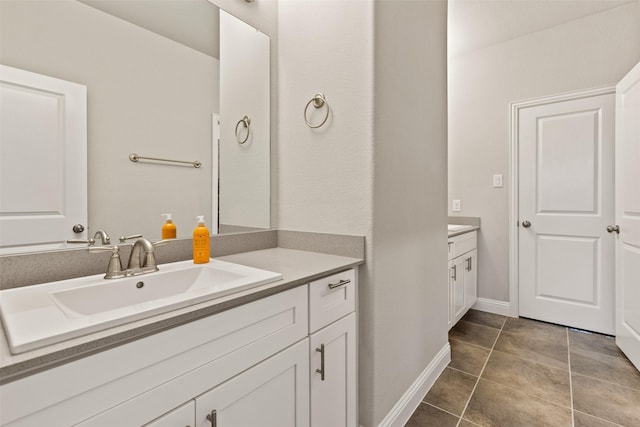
(456, 206)
(497, 181)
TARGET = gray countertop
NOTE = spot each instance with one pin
(297, 267)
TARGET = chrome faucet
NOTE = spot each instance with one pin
(142, 259)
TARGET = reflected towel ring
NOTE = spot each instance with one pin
(246, 121)
(318, 101)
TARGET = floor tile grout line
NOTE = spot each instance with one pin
(542, 399)
(440, 409)
(599, 418)
(573, 420)
(530, 360)
(464, 409)
(607, 382)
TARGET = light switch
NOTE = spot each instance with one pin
(497, 181)
(456, 206)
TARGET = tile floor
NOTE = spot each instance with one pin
(508, 372)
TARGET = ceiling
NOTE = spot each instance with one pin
(476, 24)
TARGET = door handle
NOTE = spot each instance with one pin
(526, 224)
(612, 228)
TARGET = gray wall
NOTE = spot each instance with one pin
(592, 51)
(378, 168)
(408, 296)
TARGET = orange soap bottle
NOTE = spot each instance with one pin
(201, 242)
(169, 228)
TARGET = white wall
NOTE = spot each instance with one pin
(593, 51)
(172, 122)
(377, 168)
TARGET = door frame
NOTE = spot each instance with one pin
(514, 111)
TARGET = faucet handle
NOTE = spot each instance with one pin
(123, 239)
(90, 242)
(114, 268)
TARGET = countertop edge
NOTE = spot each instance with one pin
(466, 230)
(87, 345)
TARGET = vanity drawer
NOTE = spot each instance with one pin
(331, 298)
(462, 244)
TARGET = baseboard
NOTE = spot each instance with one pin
(493, 306)
(402, 410)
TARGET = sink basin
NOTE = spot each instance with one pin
(35, 316)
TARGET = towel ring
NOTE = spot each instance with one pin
(318, 101)
(246, 121)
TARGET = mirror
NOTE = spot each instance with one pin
(162, 82)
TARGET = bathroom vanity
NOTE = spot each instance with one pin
(280, 354)
(463, 274)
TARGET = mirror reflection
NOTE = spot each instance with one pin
(171, 80)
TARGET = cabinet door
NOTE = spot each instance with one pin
(333, 374)
(274, 393)
(470, 278)
(184, 416)
(457, 278)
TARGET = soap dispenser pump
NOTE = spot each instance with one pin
(201, 242)
(169, 228)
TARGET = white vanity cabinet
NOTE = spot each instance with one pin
(332, 349)
(184, 416)
(463, 275)
(250, 365)
(274, 393)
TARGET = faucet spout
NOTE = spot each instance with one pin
(142, 258)
(102, 235)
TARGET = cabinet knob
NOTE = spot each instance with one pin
(526, 224)
(612, 228)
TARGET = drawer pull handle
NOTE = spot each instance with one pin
(321, 370)
(213, 418)
(340, 283)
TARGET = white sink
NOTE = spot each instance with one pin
(35, 316)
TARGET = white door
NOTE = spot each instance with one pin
(333, 374)
(566, 201)
(628, 215)
(274, 393)
(43, 159)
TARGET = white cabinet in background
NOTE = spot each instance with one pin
(463, 276)
(332, 350)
